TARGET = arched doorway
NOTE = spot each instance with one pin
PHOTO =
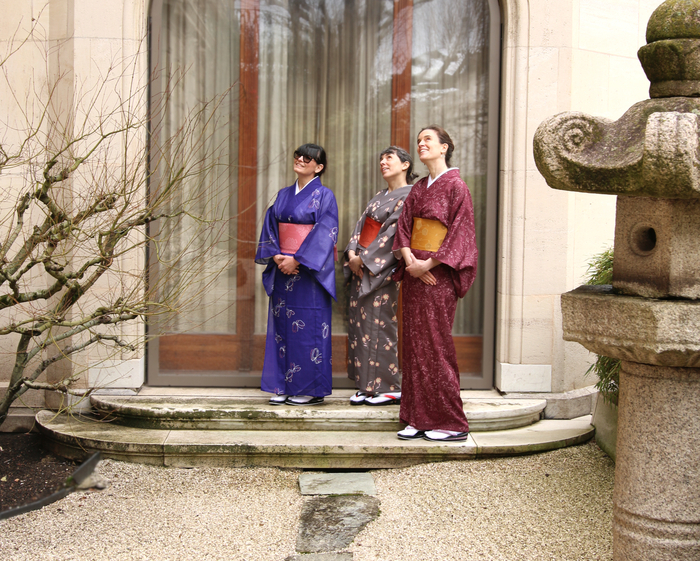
(353, 77)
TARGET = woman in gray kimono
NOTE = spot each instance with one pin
(369, 263)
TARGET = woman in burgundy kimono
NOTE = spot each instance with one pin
(297, 243)
(436, 238)
(372, 333)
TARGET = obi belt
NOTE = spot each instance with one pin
(293, 235)
(370, 230)
(427, 234)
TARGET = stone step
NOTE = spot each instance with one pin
(77, 437)
(249, 412)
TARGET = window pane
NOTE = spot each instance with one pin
(198, 62)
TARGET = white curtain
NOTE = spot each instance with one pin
(449, 87)
(198, 66)
(325, 78)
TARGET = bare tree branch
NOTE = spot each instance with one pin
(89, 190)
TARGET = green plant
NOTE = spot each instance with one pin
(600, 269)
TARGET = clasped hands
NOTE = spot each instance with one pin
(419, 268)
(287, 264)
(355, 263)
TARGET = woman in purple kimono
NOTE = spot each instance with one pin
(373, 332)
(437, 240)
(297, 243)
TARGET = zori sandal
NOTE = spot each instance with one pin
(410, 433)
(359, 398)
(439, 435)
(278, 399)
(304, 400)
(393, 398)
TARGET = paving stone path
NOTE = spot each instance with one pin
(338, 507)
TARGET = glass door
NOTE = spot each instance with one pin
(353, 77)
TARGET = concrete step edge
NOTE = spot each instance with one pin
(77, 438)
(231, 414)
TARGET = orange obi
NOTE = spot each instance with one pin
(292, 236)
(369, 232)
(427, 234)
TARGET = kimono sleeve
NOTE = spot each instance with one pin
(317, 251)
(404, 225)
(458, 250)
(378, 256)
(353, 245)
(355, 237)
(268, 245)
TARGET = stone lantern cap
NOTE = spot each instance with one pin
(671, 58)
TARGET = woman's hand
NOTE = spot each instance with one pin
(287, 264)
(355, 264)
(420, 269)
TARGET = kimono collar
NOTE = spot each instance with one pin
(431, 180)
(296, 185)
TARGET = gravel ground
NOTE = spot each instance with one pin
(556, 505)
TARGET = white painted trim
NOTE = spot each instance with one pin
(513, 164)
(117, 374)
(523, 377)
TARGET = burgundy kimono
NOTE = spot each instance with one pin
(430, 388)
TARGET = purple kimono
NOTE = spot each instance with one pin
(298, 343)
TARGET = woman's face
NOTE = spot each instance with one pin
(305, 167)
(392, 166)
(429, 146)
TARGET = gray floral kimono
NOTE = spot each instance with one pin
(373, 331)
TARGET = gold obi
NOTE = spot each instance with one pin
(427, 234)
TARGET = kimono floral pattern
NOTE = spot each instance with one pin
(372, 329)
(298, 358)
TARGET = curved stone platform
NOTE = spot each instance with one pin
(78, 437)
(241, 413)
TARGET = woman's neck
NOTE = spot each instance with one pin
(436, 167)
(396, 182)
(303, 181)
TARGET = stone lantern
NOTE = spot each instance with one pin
(650, 316)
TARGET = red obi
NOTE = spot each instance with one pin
(292, 236)
(369, 232)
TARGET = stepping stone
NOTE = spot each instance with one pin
(337, 484)
(331, 523)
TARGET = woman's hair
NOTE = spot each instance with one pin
(404, 156)
(316, 153)
(444, 138)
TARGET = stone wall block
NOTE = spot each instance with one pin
(656, 250)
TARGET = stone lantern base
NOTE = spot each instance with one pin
(657, 475)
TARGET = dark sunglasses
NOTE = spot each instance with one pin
(305, 158)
